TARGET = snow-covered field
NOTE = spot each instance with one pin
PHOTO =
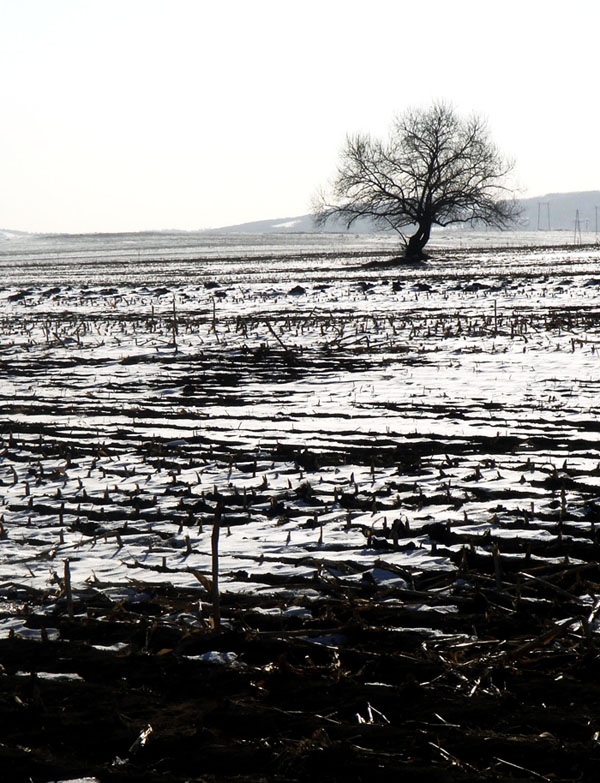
(342, 421)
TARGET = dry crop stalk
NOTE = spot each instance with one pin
(213, 327)
(68, 590)
(174, 327)
(215, 570)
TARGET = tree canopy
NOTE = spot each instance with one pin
(435, 169)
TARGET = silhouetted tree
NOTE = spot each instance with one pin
(435, 169)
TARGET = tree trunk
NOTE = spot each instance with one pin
(414, 248)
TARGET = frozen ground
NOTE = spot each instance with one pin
(309, 400)
(402, 434)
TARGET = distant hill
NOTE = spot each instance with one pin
(6, 234)
(554, 211)
(299, 224)
(559, 211)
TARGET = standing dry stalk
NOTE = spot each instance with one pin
(563, 504)
(213, 327)
(68, 590)
(215, 570)
(174, 326)
(497, 566)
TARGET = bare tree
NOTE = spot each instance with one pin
(435, 169)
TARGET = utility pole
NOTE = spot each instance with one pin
(577, 233)
(539, 220)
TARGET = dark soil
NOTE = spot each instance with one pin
(376, 685)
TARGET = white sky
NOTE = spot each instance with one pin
(139, 114)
